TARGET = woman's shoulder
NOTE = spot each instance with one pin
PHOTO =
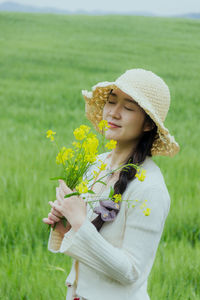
(154, 175)
(153, 187)
(154, 178)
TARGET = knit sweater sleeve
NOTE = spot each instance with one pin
(141, 239)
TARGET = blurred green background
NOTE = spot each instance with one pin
(45, 62)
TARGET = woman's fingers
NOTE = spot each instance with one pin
(61, 192)
(56, 206)
(54, 211)
(53, 217)
(48, 221)
(58, 196)
(63, 187)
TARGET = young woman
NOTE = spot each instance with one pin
(114, 246)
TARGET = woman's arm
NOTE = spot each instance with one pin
(141, 239)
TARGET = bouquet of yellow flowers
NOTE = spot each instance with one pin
(76, 160)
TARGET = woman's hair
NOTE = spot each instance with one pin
(137, 156)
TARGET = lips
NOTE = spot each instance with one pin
(113, 124)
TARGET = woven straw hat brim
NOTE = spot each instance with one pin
(164, 144)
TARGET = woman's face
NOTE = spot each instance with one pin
(123, 111)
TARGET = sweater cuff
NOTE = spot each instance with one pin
(72, 237)
(55, 240)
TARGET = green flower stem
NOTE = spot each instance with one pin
(74, 183)
(110, 199)
(64, 221)
(112, 172)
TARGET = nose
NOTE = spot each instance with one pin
(115, 111)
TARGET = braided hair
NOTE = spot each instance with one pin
(137, 156)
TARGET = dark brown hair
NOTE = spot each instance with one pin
(137, 156)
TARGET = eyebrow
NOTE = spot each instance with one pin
(126, 99)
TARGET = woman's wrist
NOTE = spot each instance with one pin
(77, 225)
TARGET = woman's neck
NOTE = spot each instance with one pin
(115, 159)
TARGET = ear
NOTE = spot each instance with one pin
(148, 126)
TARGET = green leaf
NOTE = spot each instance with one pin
(111, 192)
(101, 182)
(91, 192)
(71, 194)
(64, 221)
(56, 178)
(54, 226)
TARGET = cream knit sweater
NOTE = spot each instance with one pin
(115, 263)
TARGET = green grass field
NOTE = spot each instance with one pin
(45, 62)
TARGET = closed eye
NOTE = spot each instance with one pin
(129, 109)
(125, 107)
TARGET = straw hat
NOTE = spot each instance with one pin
(149, 91)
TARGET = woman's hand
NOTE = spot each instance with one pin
(72, 208)
(54, 218)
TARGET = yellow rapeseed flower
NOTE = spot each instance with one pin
(142, 205)
(117, 197)
(82, 187)
(50, 134)
(91, 135)
(79, 134)
(102, 167)
(64, 155)
(76, 145)
(111, 144)
(95, 173)
(68, 153)
(90, 146)
(138, 169)
(85, 128)
(90, 158)
(141, 176)
(59, 157)
(147, 211)
(103, 124)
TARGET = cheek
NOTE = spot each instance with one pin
(134, 124)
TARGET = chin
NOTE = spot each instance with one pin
(111, 136)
